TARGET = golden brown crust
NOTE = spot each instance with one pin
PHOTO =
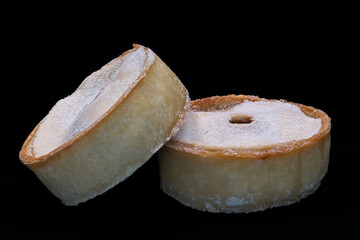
(26, 153)
(219, 103)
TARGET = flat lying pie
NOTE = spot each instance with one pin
(244, 154)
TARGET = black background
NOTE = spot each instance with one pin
(47, 54)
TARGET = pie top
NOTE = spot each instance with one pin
(247, 124)
(97, 94)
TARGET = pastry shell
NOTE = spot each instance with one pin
(108, 151)
(233, 180)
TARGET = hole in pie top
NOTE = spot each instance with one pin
(241, 119)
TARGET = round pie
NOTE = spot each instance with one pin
(113, 123)
(244, 154)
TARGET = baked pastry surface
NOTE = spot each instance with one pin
(112, 124)
(244, 154)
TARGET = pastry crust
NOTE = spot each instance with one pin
(105, 153)
(244, 179)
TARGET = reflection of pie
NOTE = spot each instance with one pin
(243, 154)
(114, 122)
